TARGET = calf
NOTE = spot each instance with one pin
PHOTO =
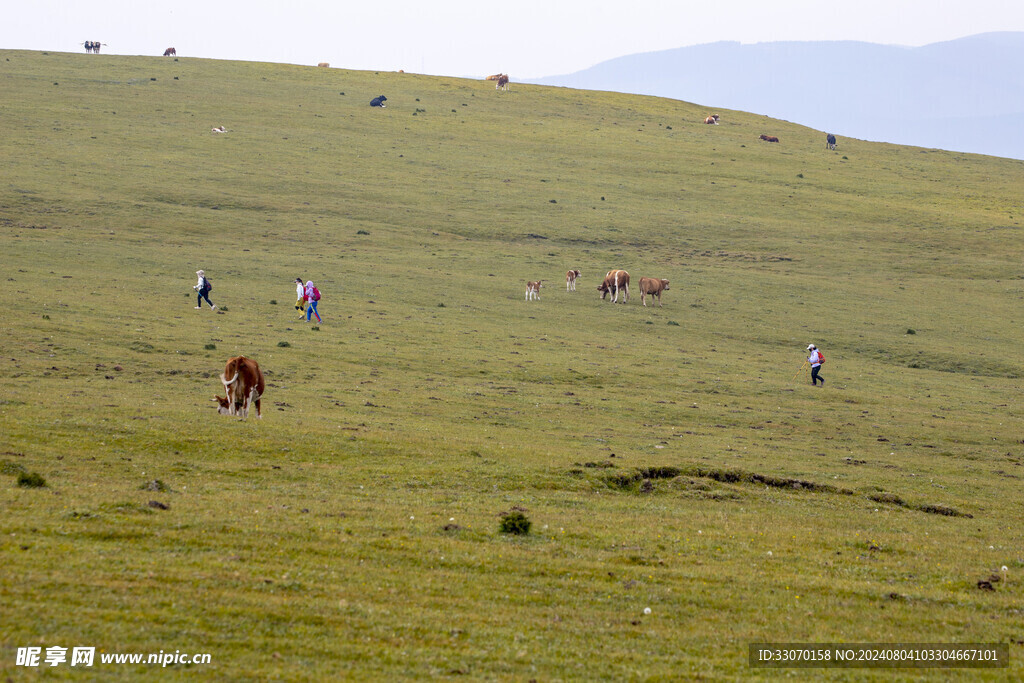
(652, 286)
(244, 388)
(570, 280)
(533, 290)
(378, 101)
(769, 138)
(615, 281)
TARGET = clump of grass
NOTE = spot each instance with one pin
(441, 305)
(31, 480)
(315, 328)
(283, 344)
(155, 485)
(911, 330)
(273, 302)
(673, 323)
(11, 468)
(514, 523)
(210, 347)
(362, 232)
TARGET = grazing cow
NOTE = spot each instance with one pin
(502, 82)
(244, 388)
(652, 286)
(324, 64)
(170, 52)
(219, 129)
(769, 138)
(378, 101)
(533, 290)
(570, 279)
(830, 141)
(615, 281)
(712, 120)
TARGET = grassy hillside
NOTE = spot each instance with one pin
(667, 457)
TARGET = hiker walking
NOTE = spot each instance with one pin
(300, 293)
(816, 359)
(312, 297)
(203, 287)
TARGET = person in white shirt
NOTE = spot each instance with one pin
(203, 287)
(815, 360)
(300, 294)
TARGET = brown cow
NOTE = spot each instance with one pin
(533, 290)
(570, 279)
(502, 82)
(244, 388)
(170, 52)
(652, 286)
(769, 138)
(326, 65)
(614, 281)
(712, 119)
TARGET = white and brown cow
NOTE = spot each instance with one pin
(570, 280)
(170, 52)
(502, 83)
(712, 120)
(243, 389)
(614, 281)
(652, 286)
(533, 290)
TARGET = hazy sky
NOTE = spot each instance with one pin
(524, 38)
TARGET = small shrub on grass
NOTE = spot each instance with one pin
(283, 344)
(362, 232)
(31, 480)
(672, 322)
(210, 347)
(273, 302)
(315, 328)
(514, 523)
(155, 485)
(911, 331)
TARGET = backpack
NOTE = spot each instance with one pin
(207, 285)
(821, 357)
(316, 294)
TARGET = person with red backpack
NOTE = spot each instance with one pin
(312, 298)
(816, 359)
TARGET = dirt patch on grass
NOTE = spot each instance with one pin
(641, 480)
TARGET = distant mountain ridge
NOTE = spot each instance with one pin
(964, 95)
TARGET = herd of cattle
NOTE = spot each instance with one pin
(615, 281)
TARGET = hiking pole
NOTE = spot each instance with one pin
(799, 371)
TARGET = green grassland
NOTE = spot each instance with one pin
(667, 457)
